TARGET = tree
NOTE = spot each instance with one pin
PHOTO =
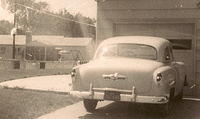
(41, 21)
(5, 27)
(25, 16)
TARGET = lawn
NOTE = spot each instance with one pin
(26, 104)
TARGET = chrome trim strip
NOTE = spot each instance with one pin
(115, 76)
(112, 89)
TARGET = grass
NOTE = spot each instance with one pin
(26, 104)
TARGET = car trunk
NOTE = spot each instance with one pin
(136, 72)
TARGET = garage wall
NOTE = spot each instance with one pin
(167, 30)
(112, 11)
(198, 58)
(144, 4)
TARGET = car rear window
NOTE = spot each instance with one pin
(128, 50)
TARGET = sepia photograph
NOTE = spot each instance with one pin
(99, 59)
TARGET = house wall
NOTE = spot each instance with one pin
(35, 65)
(7, 54)
(51, 53)
(111, 13)
(6, 64)
(85, 52)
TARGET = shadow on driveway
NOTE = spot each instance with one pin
(117, 110)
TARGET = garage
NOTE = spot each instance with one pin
(180, 34)
(177, 21)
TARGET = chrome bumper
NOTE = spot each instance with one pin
(98, 94)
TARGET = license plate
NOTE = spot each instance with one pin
(112, 95)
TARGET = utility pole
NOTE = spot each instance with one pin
(14, 34)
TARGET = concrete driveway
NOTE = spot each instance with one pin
(116, 110)
(55, 83)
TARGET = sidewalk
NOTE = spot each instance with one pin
(55, 83)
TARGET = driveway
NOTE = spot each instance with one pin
(186, 109)
(55, 83)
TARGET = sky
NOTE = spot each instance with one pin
(85, 7)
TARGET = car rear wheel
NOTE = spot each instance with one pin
(166, 108)
(90, 105)
(179, 96)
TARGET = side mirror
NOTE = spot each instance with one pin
(167, 58)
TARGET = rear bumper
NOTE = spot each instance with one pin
(131, 97)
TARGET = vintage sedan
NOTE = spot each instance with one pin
(138, 69)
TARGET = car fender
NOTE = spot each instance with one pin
(168, 79)
(181, 72)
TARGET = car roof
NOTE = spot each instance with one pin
(156, 42)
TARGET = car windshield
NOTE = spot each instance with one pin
(127, 50)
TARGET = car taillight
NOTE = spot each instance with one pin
(159, 77)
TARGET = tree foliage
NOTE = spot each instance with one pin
(5, 27)
(41, 23)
